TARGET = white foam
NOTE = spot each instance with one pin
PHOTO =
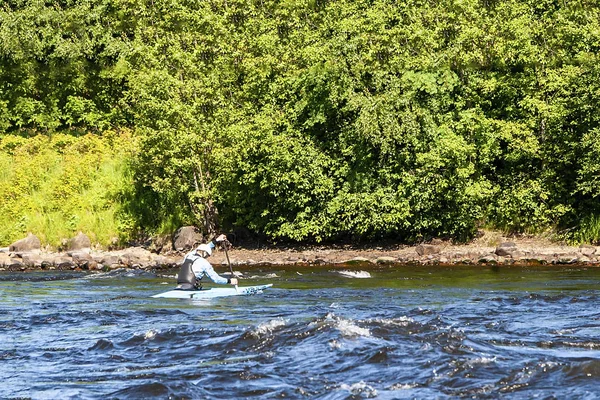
(355, 274)
(344, 326)
(403, 386)
(150, 334)
(402, 321)
(481, 360)
(360, 388)
(347, 328)
(268, 327)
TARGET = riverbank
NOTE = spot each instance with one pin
(490, 249)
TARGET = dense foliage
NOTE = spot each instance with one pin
(325, 119)
(59, 185)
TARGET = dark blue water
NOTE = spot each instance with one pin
(402, 333)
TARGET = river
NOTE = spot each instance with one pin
(386, 333)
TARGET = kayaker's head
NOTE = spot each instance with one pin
(204, 250)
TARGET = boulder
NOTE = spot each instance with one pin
(106, 258)
(566, 259)
(14, 264)
(31, 242)
(79, 242)
(4, 260)
(506, 249)
(161, 243)
(32, 260)
(64, 262)
(584, 259)
(488, 259)
(83, 259)
(136, 256)
(587, 250)
(162, 261)
(186, 238)
(539, 259)
(428, 249)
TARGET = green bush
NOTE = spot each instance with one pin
(305, 120)
(56, 186)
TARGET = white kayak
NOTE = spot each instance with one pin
(210, 293)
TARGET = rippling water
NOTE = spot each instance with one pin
(385, 333)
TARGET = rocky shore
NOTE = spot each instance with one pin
(27, 255)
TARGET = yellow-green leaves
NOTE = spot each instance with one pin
(56, 186)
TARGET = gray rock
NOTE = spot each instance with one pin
(186, 238)
(107, 259)
(47, 263)
(31, 242)
(148, 264)
(518, 255)
(32, 260)
(161, 243)
(14, 263)
(587, 250)
(4, 259)
(162, 261)
(84, 259)
(79, 242)
(583, 259)
(136, 256)
(63, 262)
(536, 259)
(489, 259)
(566, 259)
(428, 249)
(506, 249)
(81, 256)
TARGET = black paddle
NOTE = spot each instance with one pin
(229, 263)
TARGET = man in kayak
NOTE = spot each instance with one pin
(195, 267)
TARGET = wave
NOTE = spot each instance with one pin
(144, 391)
(355, 274)
(123, 273)
(267, 328)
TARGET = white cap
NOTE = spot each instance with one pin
(205, 248)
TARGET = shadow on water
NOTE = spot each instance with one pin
(324, 332)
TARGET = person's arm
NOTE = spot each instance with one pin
(202, 267)
(213, 243)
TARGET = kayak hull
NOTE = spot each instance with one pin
(210, 293)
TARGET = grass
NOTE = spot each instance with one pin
(55, 190)
(589, 230)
